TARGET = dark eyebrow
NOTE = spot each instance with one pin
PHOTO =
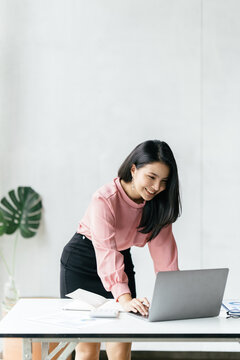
(158, 176)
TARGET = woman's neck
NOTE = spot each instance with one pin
(132, 194)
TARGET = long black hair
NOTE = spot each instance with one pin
(164, 208)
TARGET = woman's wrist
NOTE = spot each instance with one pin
(124, 298)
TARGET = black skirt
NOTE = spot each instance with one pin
(79, 268)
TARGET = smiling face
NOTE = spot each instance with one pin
(148, 181)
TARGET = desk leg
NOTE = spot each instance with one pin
(55, 351)
(44, 350)
(27, 349)
(67, 351)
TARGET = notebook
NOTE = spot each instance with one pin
(187, 294)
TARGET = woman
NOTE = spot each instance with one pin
(137, 207)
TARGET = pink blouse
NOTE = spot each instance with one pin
(110, 222)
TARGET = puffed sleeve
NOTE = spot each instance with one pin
(110, 262)
(163, 250)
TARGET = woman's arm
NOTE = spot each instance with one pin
(110, 262)
(163, 250)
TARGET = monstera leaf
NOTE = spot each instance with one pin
(2, 224)
(22, 211)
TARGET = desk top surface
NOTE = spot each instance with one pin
(46, 318)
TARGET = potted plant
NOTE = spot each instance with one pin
(19, 214)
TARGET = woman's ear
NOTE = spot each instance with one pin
(133, 169)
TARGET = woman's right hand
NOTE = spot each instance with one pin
(135, 305)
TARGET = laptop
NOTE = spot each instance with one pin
(186, 294)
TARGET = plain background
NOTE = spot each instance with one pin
(84, 82)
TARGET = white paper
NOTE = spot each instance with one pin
(86, 300)
(112, 304)
(78, 305)
(88, 297)
(68, 320)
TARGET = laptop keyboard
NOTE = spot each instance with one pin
(139, 315)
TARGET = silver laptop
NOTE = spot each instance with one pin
(187, 294)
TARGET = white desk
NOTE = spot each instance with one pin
(18, 323)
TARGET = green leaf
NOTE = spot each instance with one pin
(11, 228)
(7, 215)
(22, 211)
(34, 217)
(13, 198)
(7, 204)
(2, 223)
(27, 233)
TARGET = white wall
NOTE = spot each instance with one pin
(83, 82)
